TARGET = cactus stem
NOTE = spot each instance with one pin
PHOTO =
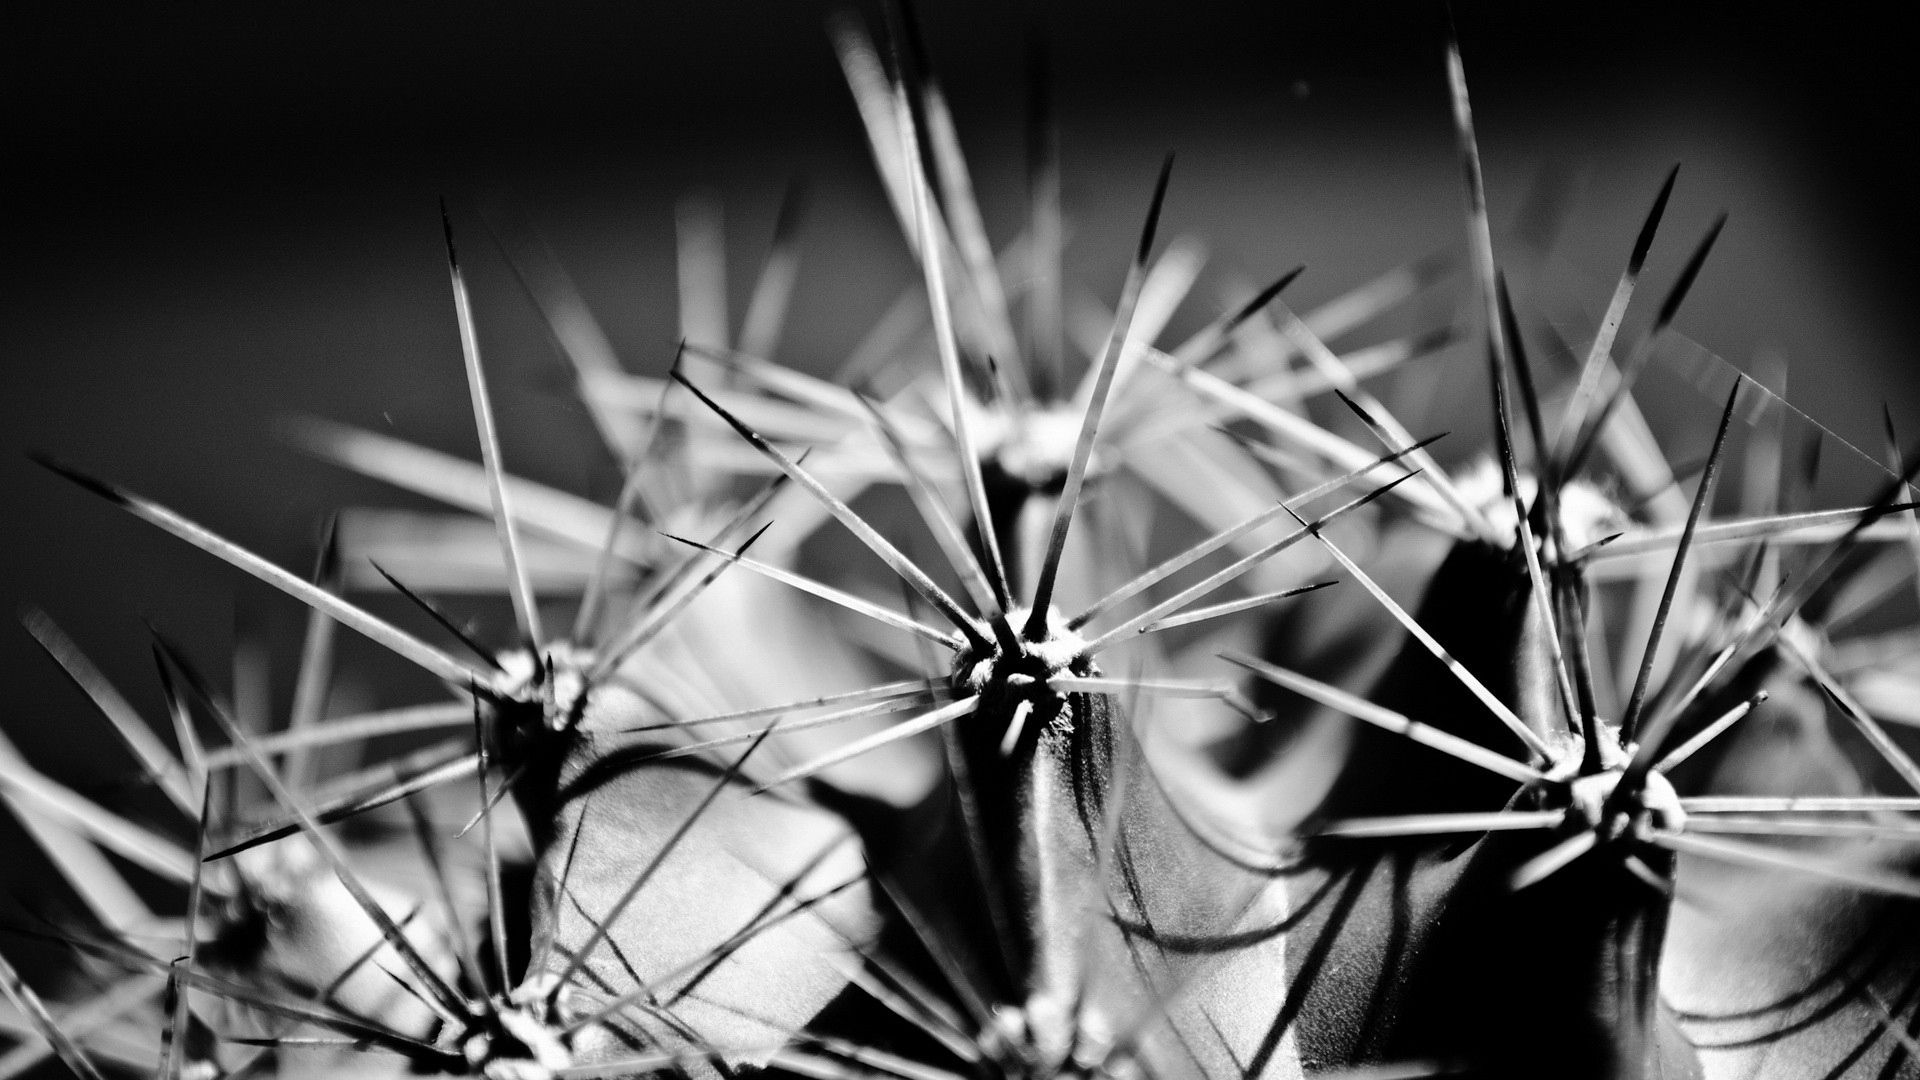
(1498, 708)
(426, 656)
(525, 612)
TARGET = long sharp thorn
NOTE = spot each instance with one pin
(933, 267)
(784, 727)
(1658, 882)
(1893, 462)
(1238, 567)
(115, 1003)
(826, 399)
(1575, 417)
(861, 1063)
(432, 775)
(1787, 600)
(1707, 734)
(1076, 684)
(667, 583)
(525, 612)
(873, 95)
(323, 842)
(1466, 678)
(445, 478)
(1501, 341)
(500, 793)
(784, 903)
(1890, 751)
(1811, 526)
(181, 1015)
(578, 334)
(1290, 426)
(832, 595)
(354, 1027)
(1391, 434)
(927, 1002)
(895, 689)
(1440, 824)
(439, 617)
(855, 524)
(191, 751)
(653, 864)
(928, 722)
(316, 655)
(1800, 804)
(1524, 538)
(1147, 579)
(1231, 607)
(350, 729)
(496, 903)
(1208, 340)
(23, 997)
(443, 891)
(1522, 370)
(658, 619)
(1381, 294)
(1480, 236)
(1670, 307)
(1036, 627)
(968, 232)
(1905, 831)
(1573, 614)
(706, 958)
(308, 1042)
(1749, 854)
(1361, 709)
(945, 530)
(952, 1040)
(1630, 720)
(383, 633)
(96, 823)
(657, 1063)
(1888, 1021)
(1479, 229)
(919, 90)
(595, 595)
(160, 765)
(1642, 353)
(1326, 487)
(1553, 860)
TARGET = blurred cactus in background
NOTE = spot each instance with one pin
(1467, 673)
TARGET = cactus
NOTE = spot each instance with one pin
(1571, 773)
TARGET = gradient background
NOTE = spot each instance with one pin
(216, 220)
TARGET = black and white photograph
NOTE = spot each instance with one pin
(915, 540)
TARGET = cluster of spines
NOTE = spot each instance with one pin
(1020, 696)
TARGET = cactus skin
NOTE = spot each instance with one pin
(1584, 947)
(1115, 912)
(600, 812)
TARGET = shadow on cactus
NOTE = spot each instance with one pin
(1574, 776)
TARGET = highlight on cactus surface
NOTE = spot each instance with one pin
(1040, 695)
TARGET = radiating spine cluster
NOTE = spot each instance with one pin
(1047, 806)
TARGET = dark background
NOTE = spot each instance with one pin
(217, 217)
